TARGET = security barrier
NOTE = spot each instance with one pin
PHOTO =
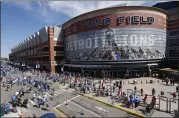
(129, 92)
(163, 98)
(170, 104)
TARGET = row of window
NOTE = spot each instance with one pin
(39, 50)
(46, 58)
(43, 49)
(174, 33)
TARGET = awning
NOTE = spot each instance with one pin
(168, 70)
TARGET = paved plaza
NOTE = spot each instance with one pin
(158, 85)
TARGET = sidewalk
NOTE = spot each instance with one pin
(10, 115)
(140, 109)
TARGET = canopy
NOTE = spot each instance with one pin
(48, 115)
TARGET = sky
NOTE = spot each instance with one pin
(22, 19)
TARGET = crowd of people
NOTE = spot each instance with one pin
(43, 82)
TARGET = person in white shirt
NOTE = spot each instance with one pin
(17, 93)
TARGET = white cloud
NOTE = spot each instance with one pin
(46, 10)
(24, 5)
(74, 8)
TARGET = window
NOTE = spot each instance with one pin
(174, 33)
(58, 58)
(58, 48)
(46, 58)
(45, 49)
(173, 17)
(173, 51)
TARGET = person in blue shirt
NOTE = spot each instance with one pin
(13, 98)
(132, 101)
(137, 102)
(38, 102)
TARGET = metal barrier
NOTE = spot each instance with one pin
(170, 103)
(137, 94)
(130, 91)
(163, 98)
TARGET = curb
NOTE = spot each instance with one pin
(115, 106)
(59, 112)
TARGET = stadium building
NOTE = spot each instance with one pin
(43, 50)
(114, 42)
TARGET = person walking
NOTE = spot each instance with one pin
(137, 102)
(22, 114)
(153, 101)
(153, 92)
(132, 101)
(174, 97)
(177, 88)
(38, 102)
(141, 91)
(145, 99)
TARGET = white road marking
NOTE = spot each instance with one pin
(47, 94)
(58, 92)
(62, 90)
(85, 109)
(28, 105)
(32, 102)
(67, 101)
(101, 109)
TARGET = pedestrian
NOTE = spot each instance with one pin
(7, 87)
(132, 101)
(153, 101)
(135, 88)
(145, 99)
(120, 83)
(141, 91)
(14, 105)
(11, 85)
(167, 80)
(137, 102)
(103, 88)
(177, 89)
(173, 81)
(120, 87)
(174, 97)
(153, 92)
(38, 102)
(48, 106)
(113, 88)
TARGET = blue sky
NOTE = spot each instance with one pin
(22, 19)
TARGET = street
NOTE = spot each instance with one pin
(65, 100)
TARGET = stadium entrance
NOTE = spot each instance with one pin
(120, 73)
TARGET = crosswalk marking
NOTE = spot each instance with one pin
(32, 102)
(47, 94)
(58, 92)
(28, 105)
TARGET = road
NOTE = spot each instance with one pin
(76, 104)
